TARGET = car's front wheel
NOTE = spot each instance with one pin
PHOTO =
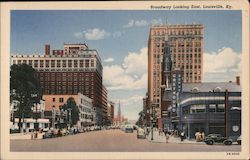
(227, 142)
(210, 142)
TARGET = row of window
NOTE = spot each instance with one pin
(179, 32)
(201, 108)
(57, 63)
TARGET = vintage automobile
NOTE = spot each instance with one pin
(217, 138)
(141, 133)
(129, 129)
(48, 134)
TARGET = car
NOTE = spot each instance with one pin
(48, 134)
(63, 132)
(217, 138)
(129, 129)
(141, 133)
(239, 140)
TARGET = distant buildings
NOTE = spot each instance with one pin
(111, 106)
(76, 69)
(119, 119)
(53, 110)
(186, 51)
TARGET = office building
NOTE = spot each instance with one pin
(104, 105)
(186, 50)
(212, 108)
(69, 74)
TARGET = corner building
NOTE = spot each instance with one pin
(186, 46)
(69, 74)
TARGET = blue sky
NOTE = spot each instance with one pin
(121, 39)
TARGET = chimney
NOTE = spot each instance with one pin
(47, 49)
(238, 80)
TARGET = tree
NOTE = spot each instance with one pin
(140, 120)
(72, 108)
(24, 88)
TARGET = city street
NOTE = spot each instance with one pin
(110, 141)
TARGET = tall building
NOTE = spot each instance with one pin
(186, 47)
(69, 74)
(110, 112)
(119, 111)
(104, 105)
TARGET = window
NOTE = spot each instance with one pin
(47, 63)
(36, 63)
(58, 63)
(64, 63)
(212, 107)
(69, 63)
(53, 99)
(197, 108)
(30, 62)
(221, 108)
(41, 63)
(60, 99)
(75, 63)
(52, 63)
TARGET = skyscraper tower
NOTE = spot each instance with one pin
(185, 46)
(119, 111)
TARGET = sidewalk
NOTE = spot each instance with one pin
(162, 139)
(22, 136)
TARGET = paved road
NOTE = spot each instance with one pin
(109, 141)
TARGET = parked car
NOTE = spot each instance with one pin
(217, 138)
(129, 129)
(64, 132)
(239, 140)
(141, 133)
(48, 134)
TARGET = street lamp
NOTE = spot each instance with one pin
(35, 96)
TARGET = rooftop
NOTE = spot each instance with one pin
(211, 86)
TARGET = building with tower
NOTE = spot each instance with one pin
(185, 47)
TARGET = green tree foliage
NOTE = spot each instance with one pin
(140, 120)
(25, 88)
(72, 108)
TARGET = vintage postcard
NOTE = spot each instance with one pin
(125, 80)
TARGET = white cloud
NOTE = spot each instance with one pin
(108, 60)
(136, 23)
(95, 34)
(117, 34)
(129, 76)
(222, 66)
(78, 34)
(136, 63)
(157, 21)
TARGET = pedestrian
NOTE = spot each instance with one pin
(197, 136)
(182, 135)
(202, 136)
(165, 132)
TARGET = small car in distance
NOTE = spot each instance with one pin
(217, 138)
(129, 129)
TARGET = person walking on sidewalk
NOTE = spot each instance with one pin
(182, 135)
